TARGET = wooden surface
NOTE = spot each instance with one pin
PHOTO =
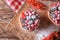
(13, 28)
(46, 26)
(17, 30)
(6, 16)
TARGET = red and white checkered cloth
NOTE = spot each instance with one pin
(15, 4)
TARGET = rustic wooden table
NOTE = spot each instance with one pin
(6, 16)
(46, 26)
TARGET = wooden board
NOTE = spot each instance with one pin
(6, 16)
(46, 26)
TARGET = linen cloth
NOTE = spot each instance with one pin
(15, 4)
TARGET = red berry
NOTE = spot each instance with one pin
(23, 15)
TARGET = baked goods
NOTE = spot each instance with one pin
(15, 29)
(54, 13)
(29, 19)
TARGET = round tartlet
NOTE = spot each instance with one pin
(29, 20)
(54, 13)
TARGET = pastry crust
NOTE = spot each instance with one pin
(50, 16)
(30, 20)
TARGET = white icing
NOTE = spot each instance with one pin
(59, 8)
(28, 17)
(33, 16)
(30, 22)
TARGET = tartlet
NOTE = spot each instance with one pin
(54, 13)
(29, 20)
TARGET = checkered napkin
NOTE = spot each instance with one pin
(15, 4)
